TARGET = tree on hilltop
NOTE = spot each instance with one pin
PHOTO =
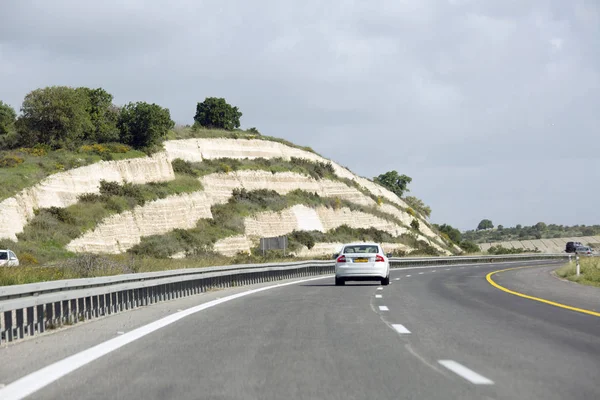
(485, 224)
(55, 115)
(103, 116)
(8, 117)
(215, 113)
(143, 125)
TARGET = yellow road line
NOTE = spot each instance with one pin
(488, 277)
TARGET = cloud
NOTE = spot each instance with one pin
(471, 98)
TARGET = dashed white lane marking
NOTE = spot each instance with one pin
(466, 373)
(400, 328)
(408, 276)
(383, 308)
(397, 279)
(378, 296)
(35, 381)
(447, 269)
(433, 270)
(421, 273)
(379, 288)
(120, 333)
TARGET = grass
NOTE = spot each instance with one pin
(190, 132)
(590, 271)
(44, 238)
(32, 165)
(86, 265)
(316, 170)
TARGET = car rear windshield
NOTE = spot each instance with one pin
(361, 249)
(3, 255)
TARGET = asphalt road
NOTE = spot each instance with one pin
(435, 333)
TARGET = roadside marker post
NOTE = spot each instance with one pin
(577, 261)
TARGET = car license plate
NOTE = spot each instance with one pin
(358, 260)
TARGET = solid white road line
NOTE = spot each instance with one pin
(400, 328)
(35, 381)
(466, 373)
(378, 296)
(383, 308)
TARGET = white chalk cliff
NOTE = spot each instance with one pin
(63, 188)
(122, 231)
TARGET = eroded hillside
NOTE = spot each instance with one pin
(209, 195)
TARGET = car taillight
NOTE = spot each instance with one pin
(379, 258)
(341, 259)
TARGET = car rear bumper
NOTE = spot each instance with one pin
(361, 273)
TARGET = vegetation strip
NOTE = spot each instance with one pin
(589, 268)
(552, 303)
(228, 220)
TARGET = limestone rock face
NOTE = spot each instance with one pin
(63, 188)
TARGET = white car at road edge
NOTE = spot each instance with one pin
(362, 262)
(8, 259)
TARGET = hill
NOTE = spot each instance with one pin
(207, 196)
(93, 188)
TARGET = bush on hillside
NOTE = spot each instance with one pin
(10, 161)
(500, 250)
(453, 234)
(415, 224)
(394, 182)
(424, 249)
(302, 237)
(216, 113)
(469, 247)
(183, 167)
(419, 205)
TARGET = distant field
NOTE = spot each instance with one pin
(556, 245)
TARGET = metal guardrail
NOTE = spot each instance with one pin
(31, 309)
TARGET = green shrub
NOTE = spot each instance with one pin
(302, 237)
(183, 167)
(469, 247)
(500, 250)
(10, 161)
(415, 224)
(61, 214)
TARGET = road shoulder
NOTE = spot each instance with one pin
(539, 282)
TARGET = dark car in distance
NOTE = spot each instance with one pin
(572, 246)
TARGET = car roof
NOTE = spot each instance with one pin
(361, 244)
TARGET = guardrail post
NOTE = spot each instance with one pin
(8, 326)
(20, 323)
(30, 321)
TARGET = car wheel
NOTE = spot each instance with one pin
(339, 282)
(385, 281)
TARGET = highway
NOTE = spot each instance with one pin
(434, 333)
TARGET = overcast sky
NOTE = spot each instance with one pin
(491, 106)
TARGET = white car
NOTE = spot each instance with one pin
(8, 259)
(362, 262)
